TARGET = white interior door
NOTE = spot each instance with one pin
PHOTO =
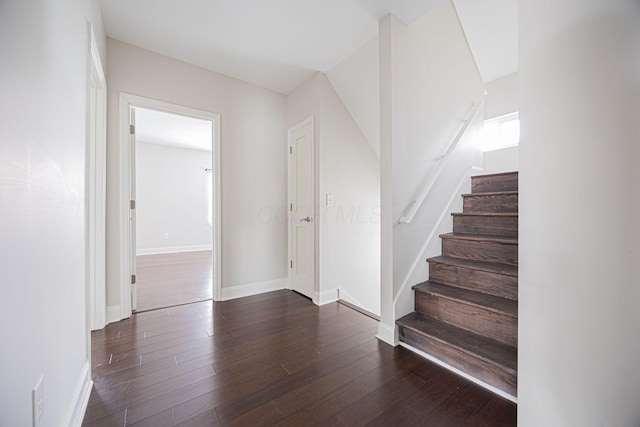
(132, 209)
(301, 209)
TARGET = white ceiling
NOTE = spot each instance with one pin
(157, 127)
(277, 44)
(491, 27)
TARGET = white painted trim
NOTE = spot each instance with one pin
(216, 227)
(95, 188)
(308, 120)
(434, 232)
(346, 297)
(125, 168)
(504, 118)
(388, 334)
(173, 250)
(246, 290)
(127, 101)
(316, 262)
(326, 297)
(114, 314)
(81, 393)
(359, 309)
(461, 373)
(387, 30)
(94, 52)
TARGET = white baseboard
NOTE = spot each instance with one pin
(173, 249)
(358, 308)
(114, 314)
(326, 297)
(81, 393)
(239, 291)
(345, 297)
(388, 334)
(459, 372)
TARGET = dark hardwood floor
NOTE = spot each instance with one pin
(272, 359)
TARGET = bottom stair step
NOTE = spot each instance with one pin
(482, 358)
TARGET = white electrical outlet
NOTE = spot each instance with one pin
(37, 396)
(166, 236)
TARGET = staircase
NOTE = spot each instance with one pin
(466, 314)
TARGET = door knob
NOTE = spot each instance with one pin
(307, 219)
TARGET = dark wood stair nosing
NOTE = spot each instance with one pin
(505, 269)
(487, 214)
(485, 280)
(495, 174)
(438, 289)
(507, 181)
(491, 193)
(481, 238)
(501, 376)
(485, 358)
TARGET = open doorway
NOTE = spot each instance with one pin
(171, 234)
(173, 205)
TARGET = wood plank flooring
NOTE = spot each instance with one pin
(165, 280)
(272, 359)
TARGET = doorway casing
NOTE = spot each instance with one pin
(127, 101)
(95, 188)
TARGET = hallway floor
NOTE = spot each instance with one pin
(272, 359)
(166, 280)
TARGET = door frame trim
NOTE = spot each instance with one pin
(95, 188)
(309, 120)
(127, 101)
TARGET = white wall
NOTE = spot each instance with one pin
(501, 99)
(579, 344)
(171, 198)
(43, 81)
(253, 156)
(357, 82)
(502, 96)
(501, 160)
(429, 78)
(491, 27)
(348, 233)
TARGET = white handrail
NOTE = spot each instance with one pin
(417, 202)
(434, 231)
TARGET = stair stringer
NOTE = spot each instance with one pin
(403, 300)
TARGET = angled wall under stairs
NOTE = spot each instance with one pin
(466, 314)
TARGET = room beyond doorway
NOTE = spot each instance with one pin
(130, 130)
(172, 219)
(167, 280)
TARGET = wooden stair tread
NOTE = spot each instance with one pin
(495, 174)
(481, 237)
(507, 214)
(466, 314)
(486, 301)
(491, 267)
(494, 182)
(490, 193)
(486, 349)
